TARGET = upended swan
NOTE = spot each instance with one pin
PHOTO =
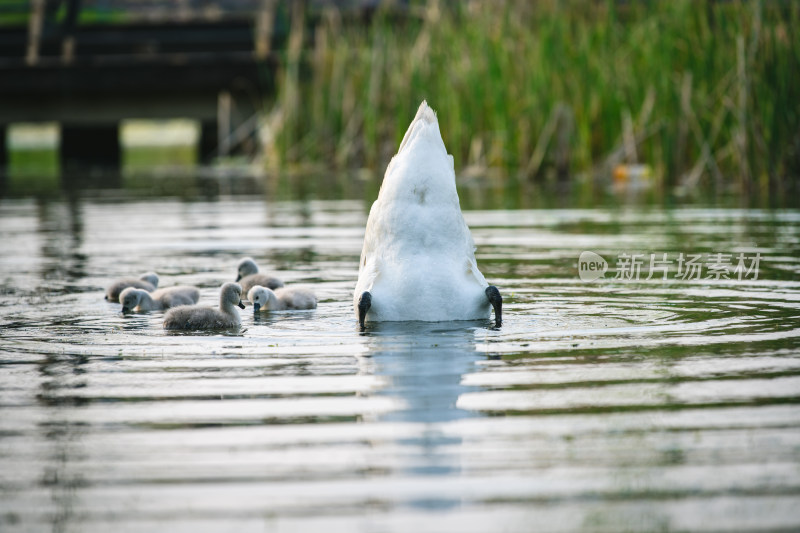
(147, 281)
(133, 299)
(248, 276)
(265, 299)
(418, 260)
(200, 317)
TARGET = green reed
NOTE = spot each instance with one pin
(706, 93)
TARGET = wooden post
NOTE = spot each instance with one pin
(3, 158)
(265, 21)
(224, 107)
(3, 147)
(34, 31)
(90, 150)
(209, 134)
(68, 41)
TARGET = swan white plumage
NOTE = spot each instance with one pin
(418, 260)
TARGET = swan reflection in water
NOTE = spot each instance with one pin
(423, 364)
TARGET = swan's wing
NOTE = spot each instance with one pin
(366, 278)
(471, 262)
(370, 236)
(368, 263)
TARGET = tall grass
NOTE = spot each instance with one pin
(705, 92)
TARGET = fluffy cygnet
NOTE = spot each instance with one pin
(265, 299)
(147, 281)
(248, 276)
(199, 317)
(133, 299)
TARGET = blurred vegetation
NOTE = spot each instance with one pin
(706, 93)
(34, 171)
(143, 158)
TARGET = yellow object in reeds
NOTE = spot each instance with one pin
(632, 176)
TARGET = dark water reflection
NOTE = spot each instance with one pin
(603, 406)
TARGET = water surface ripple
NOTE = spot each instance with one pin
(612, 405)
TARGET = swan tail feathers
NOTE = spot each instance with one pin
(369, 274)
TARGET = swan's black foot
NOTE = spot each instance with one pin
(364, 303)
(497, 303)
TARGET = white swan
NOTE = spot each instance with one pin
(265, 299)
(133, 299)
(147, 281)
(418, 260)
(248, 276)
(199, 317)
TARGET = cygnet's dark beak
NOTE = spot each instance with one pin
(241, 305)
(238, 277)
(126, 309)
(256, 307)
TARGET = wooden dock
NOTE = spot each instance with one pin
(89, 64)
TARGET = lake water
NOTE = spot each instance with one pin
(610, 405)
